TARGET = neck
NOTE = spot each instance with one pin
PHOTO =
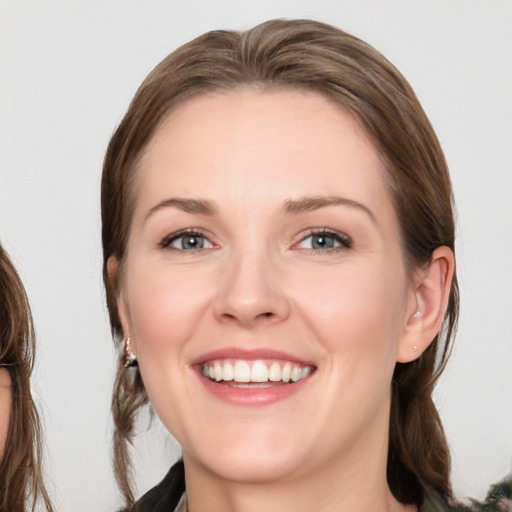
(353, 483)
(294, 496)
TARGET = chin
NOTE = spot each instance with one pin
(251, 467)
(252, 456)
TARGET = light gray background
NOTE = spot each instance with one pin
(69, 69)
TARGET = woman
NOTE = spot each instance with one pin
(21, 482)
(278, 243)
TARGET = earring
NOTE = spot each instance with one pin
(414, 349)
(131, 358)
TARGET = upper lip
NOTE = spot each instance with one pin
(250, 355)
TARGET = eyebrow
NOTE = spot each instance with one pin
(291, 206)
(198, 206)
(308, 204)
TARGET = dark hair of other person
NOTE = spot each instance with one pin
(308, 56)
(21, 480)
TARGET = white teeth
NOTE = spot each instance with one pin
(217, 369)
(229, 373)
(259, 372)
(296, 374)
(243, 371)
(286, 373)
(274, 372)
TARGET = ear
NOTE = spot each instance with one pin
(122, 305)
(431, 294)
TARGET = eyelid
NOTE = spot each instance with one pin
(345, 241)
(165, 243)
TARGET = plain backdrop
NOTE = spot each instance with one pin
(67, 73)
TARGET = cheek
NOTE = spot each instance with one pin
(164, 305)
(357, 316)
(353, 302)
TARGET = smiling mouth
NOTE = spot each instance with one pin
(241, 373)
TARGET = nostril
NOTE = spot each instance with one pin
(268, 314)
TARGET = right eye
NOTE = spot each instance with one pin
(187, 240)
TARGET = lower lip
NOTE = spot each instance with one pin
(252, 396)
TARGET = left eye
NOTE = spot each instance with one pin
(324, 241)
(187, 242)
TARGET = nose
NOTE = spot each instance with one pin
(251, 293)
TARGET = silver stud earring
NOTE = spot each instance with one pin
(415, 348)
(131, 358)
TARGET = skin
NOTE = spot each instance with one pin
(258, 282)
(5, 407)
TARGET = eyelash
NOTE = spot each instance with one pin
(344, 241)
(189, 232)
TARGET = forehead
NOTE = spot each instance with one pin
(260, 142)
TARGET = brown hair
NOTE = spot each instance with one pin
(306, 55)
(21, 480)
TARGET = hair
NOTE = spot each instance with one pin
(21, 481)
(309, 56)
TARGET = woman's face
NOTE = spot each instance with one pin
(5, 407)
(265, 250)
